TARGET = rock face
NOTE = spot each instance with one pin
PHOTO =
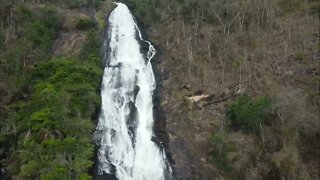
(185, 119)
(184, 140)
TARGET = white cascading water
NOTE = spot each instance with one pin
(125, 126)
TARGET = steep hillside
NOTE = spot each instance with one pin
(239, 85)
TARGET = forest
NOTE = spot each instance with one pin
(251, 65)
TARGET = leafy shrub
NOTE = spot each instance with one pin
(249, 113)
(84, 23)
(219, 149)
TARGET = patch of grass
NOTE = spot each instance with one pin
(249, 113)
(219, 149)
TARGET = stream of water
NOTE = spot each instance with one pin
(125, 126)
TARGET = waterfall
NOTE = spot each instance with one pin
(125, 127)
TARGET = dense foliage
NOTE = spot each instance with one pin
(250, 113)
(54, 124)
(46, 130)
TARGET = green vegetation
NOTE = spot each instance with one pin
(90, 48)
(280, 144)
(219, 149)
(46, 126)
(54, 124)
(73, 4)
(41, 29)
(250, 113)
(34, 40)
(145, 10)
(84, 23)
